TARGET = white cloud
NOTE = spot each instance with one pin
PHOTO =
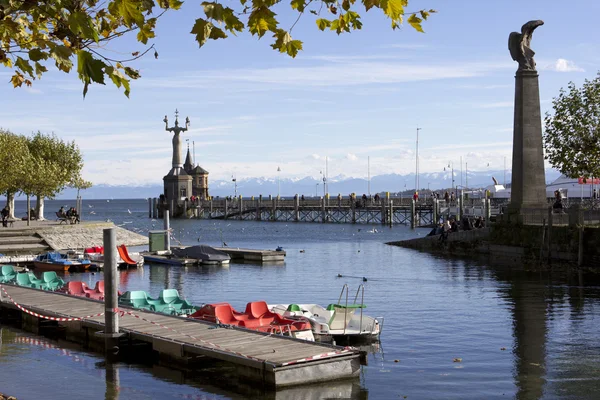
(351, 157)
(562, 65)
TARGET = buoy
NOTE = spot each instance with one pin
(339, 275)
(301, 251)
(364, 279)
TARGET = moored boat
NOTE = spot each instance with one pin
(256, 317)
(203, 254)
(336, 321)
(55, 261)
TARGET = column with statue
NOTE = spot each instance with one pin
(177, 183)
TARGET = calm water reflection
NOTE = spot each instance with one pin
(518, 335)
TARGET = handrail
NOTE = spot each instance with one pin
(362, 302)
(345, 309)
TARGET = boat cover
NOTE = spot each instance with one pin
(200, 252)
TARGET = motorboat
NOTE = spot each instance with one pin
(256, 317)
(125, 259)
(55, 261)
(341, 320)
(202, 253)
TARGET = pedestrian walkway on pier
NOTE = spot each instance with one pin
(273, 360)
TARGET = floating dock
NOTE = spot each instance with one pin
(253, 256)
(272, 360)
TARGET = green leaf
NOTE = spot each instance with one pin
(424, 14)
(213, 11)
(40, 69)
(262, 20)
(415, 22)
(132, 73)
(299, 5)
(89, 69)
(285, 44)
(129, 11)
(205, 30)
(371, 3)
(323, 23)
(81, 24)
(145, 33)
(393, 8)
(24, 66)
(175, 4)
(62, 55)
(36, 54)
(118, 79)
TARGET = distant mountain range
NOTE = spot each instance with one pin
(308, 186)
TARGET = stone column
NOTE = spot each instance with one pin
(528, 189)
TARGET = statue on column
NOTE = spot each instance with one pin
(518, 45)
(177, 164)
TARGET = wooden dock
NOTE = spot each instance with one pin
(254, 255)
(273, 360)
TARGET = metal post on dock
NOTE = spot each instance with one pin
(111, 289)
(210, 210)
(154, 207)
(382, 213)
(273, 208)
(241, 208)
(226, 210)
(353, 209)
(413, 214)
(185, 208)
(391, 218)
(323, 211)
(434, 211)
(167, 232)
(149, 207)
(296, 208)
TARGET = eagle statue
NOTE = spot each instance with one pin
(518, 45)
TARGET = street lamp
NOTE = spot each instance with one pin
(317, 190)
(451, 165)
(278, 176)
(234, 180)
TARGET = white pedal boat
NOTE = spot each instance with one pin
(336, 320)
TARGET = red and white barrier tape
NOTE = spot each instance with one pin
(20, 307)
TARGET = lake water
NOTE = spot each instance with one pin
(453, 329)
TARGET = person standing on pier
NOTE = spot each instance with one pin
(447, 197)
(416, 196)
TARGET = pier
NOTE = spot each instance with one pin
(386, 210)
(272, 360)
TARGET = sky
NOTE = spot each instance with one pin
(355, 99)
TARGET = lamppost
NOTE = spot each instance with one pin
(317, 190)
(278, 176)
(234, 180)
(451, 165)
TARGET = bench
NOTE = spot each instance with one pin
(62, 218)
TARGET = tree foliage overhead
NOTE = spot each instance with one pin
(35, 34)
(572, 131)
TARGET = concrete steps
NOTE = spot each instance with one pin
(20, 242)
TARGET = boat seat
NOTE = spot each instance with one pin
(8, 274)
(257, 309)
(77, 288)
(24, 280)
(52, 281)
(224, 315)
(138, 299)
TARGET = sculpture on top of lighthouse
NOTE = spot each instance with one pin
(177, 164)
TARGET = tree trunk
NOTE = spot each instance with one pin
(10, 201)
(28, 209)
(39, 208)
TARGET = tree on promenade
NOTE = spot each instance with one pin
(36, 33)
(572, 131)
(57, 164)
(13, 166)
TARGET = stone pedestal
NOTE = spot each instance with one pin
(528, 189)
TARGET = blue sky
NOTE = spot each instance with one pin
(345, 97)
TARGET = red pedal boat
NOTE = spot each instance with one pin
(256, 317)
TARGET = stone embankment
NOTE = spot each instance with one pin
(87, 235)
(534, 246)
